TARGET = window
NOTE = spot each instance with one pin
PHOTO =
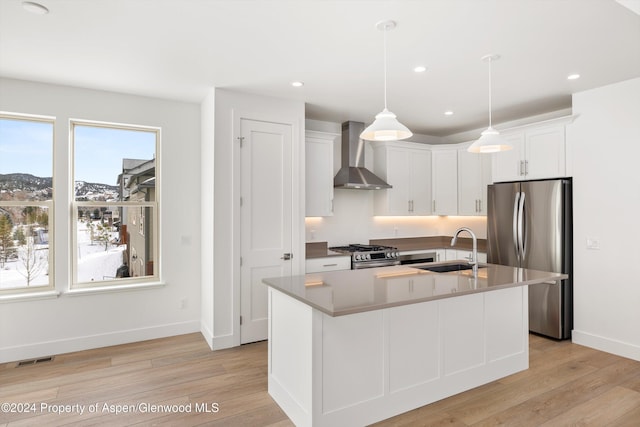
(115, 222)
(26, 203)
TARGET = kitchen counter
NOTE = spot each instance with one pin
(430, 242)
(358, 346)
(339, 293)
(320, 250)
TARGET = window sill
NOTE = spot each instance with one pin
(114, 288)
(29, 296)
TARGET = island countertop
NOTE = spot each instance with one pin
(339, 293)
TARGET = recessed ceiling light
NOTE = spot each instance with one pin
(34, 7)
(573, 76)
(297, 84)
(420, 69)
(448, 113)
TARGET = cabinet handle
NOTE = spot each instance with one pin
(476, 205)
(521, 167)
(526, 167)
(434, 205)
(480, 205)
(412, 206)
(331, 205)
(329, 265)
(409, 205)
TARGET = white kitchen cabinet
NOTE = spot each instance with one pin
(407, 168)
(461, 254)
(444, 167)
(539, 151)
(474, 175)
(319, 265)
(319, 173)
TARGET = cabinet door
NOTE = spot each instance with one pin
(445, 182)
(508, 165)
(545, 152)
(319, 175)
(420, 182)
(469, 182)
(408, 171)
(399, 176)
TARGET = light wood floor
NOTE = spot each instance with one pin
(566, 385)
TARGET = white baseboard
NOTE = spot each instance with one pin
(608, 345)
(207, 333)
(225, 341)
(52, 348)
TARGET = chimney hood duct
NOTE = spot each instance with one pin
(353, 174)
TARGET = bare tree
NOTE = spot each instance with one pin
(32, 261)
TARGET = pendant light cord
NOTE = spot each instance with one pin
(490, 61)
(385, 65)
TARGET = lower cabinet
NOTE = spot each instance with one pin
(460, 254)
(319, 265)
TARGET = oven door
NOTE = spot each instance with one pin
(417, 258)
(374, 263)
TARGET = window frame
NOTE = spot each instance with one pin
(48, 204)
(154, 207)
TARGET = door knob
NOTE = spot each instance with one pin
(286, 256)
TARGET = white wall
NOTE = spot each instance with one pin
(229, 107)
(207, 200)
(605, 148)
(69, 323)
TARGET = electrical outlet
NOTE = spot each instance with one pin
(593, 243)
(183, 303)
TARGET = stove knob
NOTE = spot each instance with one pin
(388, 254)
(368, 256)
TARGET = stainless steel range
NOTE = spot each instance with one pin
(369, 256)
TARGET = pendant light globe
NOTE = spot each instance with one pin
(386, 126)
(490, 140)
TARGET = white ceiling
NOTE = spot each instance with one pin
(177, 49)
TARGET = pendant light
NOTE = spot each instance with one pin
(490, 141)
(385, 127)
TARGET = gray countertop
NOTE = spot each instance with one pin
(339, 293)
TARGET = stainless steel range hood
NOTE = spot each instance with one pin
(353, 174)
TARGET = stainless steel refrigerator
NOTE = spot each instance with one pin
(529, 225)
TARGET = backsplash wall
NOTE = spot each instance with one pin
(353, 222)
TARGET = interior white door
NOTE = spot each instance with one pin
(266, 215)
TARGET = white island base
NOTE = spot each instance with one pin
(357, 369)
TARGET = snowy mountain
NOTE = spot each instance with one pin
(90, 191)
(41, 188)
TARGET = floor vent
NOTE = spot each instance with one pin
(34, 361)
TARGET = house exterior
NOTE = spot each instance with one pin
(137, 184)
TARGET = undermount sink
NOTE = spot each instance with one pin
(446, 268)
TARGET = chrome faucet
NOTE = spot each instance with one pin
(474, 255)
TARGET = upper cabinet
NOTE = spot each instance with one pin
(474, 175)
(539, 151)
(407, 167)
(319, 173)
(444, 168)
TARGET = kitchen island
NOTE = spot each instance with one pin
(359, 346)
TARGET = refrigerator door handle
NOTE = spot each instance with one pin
(515, 226)
(521, 231)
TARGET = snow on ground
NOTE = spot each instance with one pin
(95, 264)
